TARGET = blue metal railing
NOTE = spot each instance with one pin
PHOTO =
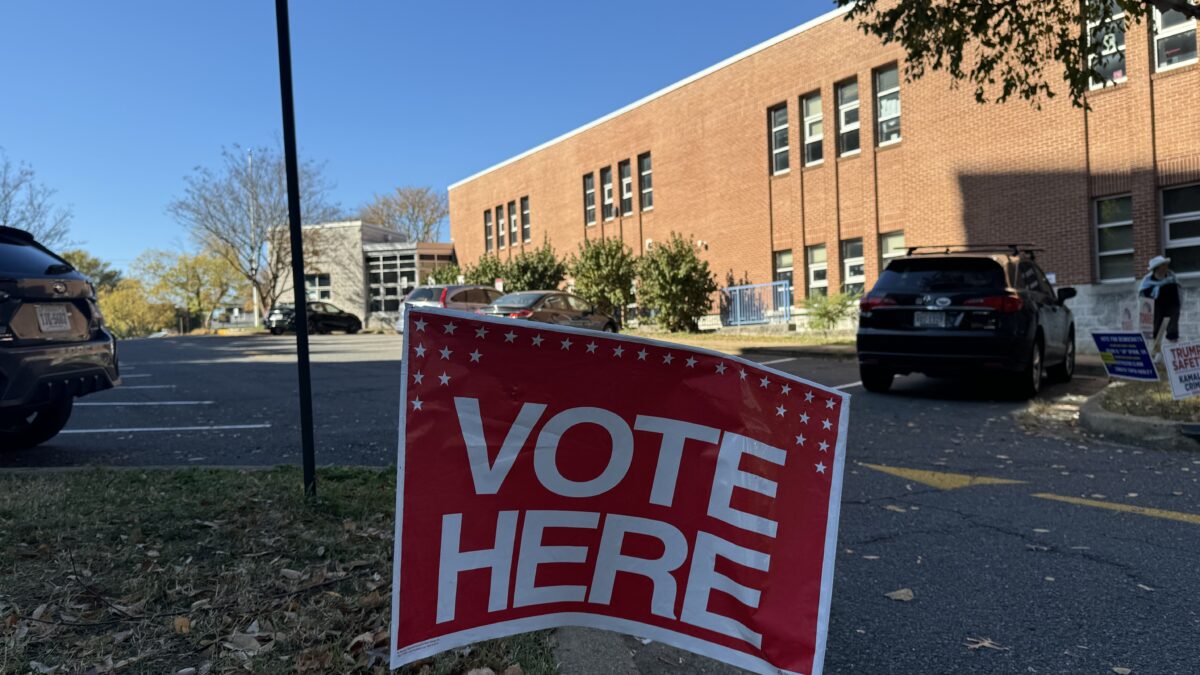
(756, 304)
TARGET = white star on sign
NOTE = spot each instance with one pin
(691, 362)
(826, 424)
(618, 351)
(742, 374)
(824, 446)
(418, 377)
(444, 379)
(780, 411)
(510, 336)
(445, 352)
(667, 358)
(566, 344)
(764, 383)
(450, 328)
(808, 397)
(721, 368)
(820, 468)
(537, 340)
(475, 356)
(420, 350)
(591, 347)
(481, 332)
(800, 439)
(829, 404)
(419, 324)
(787, 389)
(416, 404)
(804, 418)
(642, 355)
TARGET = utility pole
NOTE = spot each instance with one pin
(297, 243)
(253, 218)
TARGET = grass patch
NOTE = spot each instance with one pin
(737, 342)
(1150, 399)
(212, 570)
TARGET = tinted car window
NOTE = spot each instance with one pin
(491, 294)
(1027, 278)
(19, 257)
(478, 296)
(518, 299)
(555, 302)
(916, 275)
(578, 304)
(424, 293)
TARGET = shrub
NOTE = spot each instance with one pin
(447, 274)
(675, 284)
(826, 312)
(486, 271)
(604, 272)
(535, 270)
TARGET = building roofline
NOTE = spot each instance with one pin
(812, 23)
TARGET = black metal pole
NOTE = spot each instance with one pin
(297, 240)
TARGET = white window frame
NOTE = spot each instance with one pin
(589, 199)
(1098, 226)
(786, 147)
(809, 120)
(501, 240)
(526, 226)
(879, 117)
(790, 269)
(844, 108)
(513, 224)
(626, 187)
(488, 243)
(608, 207)
(1161, 33)
(816, 267)
(1166, 220)
(646, 176)
(317, 291)
(848, 278)
(899, 253)
(1118, 15)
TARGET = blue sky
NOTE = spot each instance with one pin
(114, 102)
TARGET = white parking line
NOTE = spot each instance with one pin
(138, 375)
(771, 363)
(146, 386)
(147, 403)
(849, 385)
(222, 427)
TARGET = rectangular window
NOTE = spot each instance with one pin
(512, 224)
(645, 182)
(777, 127)
(1181, 220)
(887, 105)
(487, 230)
(847, 100)
(317, 287)
(891, 245)
(500, 226)
(814, 129)
(854, 274)
(818, 271)
(626, 174)
(1114, 238)
(606, 192)
(526, 228)
(589, 199)
(1174, 39)
(783, 267)
(1109, 67)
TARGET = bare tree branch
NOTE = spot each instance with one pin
(28, 205)
(415, 212)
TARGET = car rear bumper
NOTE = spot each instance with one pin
(942, 352)
(33, 375)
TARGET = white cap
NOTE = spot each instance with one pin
(1158, 260)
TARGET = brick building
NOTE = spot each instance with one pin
(808, 156)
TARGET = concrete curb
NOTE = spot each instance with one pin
(1150, 432)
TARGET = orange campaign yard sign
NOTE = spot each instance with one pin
(551, 476)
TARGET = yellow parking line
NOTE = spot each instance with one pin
(1125, 508)
(940, 479)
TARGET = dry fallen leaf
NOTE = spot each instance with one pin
(1144, 587)
(903, 595)
(982, 643)
(897, 509)
(183, 625)
(313, 659)
(514, 669)
(481, 671)
(42, 669)
(291, 574)
(1121, 670)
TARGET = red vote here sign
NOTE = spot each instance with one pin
(549, 476)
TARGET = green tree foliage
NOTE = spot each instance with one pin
(196, 283)
(446, 274)
(486, 271)
(604, 271)
(103, 277)
(676, 284)
(536, 269)
(1004, 48)
(826, 312)
(129, 312)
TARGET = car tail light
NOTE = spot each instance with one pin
(521, 314)
(442, 300)
(869, 303)
(1001, 303)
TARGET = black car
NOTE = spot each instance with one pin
(961, 310)
(323, 317)
(53, 343)
(554, 307)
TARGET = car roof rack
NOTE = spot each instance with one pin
(1011, 249)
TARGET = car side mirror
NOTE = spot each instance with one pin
(1065, 294)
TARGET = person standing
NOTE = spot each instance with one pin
(1160, 285)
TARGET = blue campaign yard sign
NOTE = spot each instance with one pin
(1126, 356)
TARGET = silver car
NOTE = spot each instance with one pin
(465, 297)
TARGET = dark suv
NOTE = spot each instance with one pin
(957, 310)
(53, 344)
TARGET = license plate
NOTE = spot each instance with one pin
(53, 318)
(929, 319)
